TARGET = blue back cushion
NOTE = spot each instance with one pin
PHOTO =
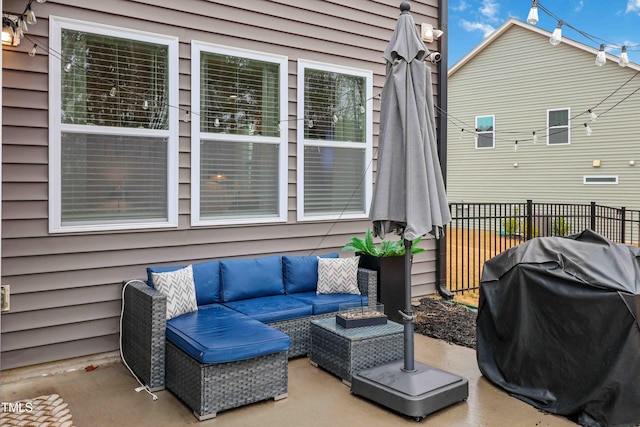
(206, 276)
(301, 272)
(251, 278)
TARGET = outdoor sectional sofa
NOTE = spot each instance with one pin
(252, 316)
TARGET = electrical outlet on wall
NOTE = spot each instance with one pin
(4, 291)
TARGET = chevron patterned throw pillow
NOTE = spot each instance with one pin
(338, 276)
(180, 290)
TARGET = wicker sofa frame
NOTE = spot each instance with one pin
(209, 388)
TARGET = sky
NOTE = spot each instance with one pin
(615, 21)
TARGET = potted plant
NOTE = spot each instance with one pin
(387, 259)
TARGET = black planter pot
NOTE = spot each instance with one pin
(390, 282)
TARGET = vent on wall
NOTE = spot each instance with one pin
(600, 179)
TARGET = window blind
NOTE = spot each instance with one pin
(238, 179)
(109, 81)
(333, 180)
(110, 178)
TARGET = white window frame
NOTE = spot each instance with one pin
(568, 126)
(613, 178)
(197, 135)
(493, 132)
(56, 127)
(367, 145)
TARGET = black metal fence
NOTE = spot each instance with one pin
(479, 231)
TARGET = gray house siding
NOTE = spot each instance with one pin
(517, 76)
(66, 287)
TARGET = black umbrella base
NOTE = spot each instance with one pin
(415, 394)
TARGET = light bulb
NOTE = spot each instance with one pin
(310, 124)
(556, 37)
(216, 123)
(67, 67)
(23, 26)
(535, 138)
(31, 17)
(461, 133)
(41, 1)
(113, 91)
(362, 110)
(624, 58)
(588, 129)
(145, 105)
(532, 18)
(33, 50)
(515, 146)
(601, 57)
(335, 118)
(187, 117)
(593, 115)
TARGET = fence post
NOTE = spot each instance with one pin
(529, 223)
(593, 216)
(623, 225)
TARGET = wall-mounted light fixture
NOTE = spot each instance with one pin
(428, 33)
(10, 30)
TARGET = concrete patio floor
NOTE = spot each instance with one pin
(106, 397)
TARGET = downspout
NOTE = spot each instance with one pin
(443, 95)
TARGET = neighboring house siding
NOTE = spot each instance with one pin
(66, 288)
(517, 77)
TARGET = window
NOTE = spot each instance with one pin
(600, 179)
(238, 148)
(113, 131)
(334, 141)
(558, 131)
(485, 132)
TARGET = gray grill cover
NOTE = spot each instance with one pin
(558, 327)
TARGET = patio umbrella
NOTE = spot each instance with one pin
(409, 194)
(408, 198)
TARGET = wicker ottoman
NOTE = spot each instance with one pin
(209, 388)
(344, 352)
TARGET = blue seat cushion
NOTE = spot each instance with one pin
(251, 278)
(327, 303)
(206, 277)
(272, 308)
(301, 272)
(218, 334)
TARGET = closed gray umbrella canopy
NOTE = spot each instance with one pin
(409, 194)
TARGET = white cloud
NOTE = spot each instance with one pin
(490, 9)
(633, 6)
(477, 26)
(462, 6)
(579, 6)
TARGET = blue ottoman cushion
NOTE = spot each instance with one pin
(251, 278)
(301, 272)
(218, 334)
(326, 303)
(272, 308)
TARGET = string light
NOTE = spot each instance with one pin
(535, 137)
(588, 129)
(556, 37)
(592, 115)
(532, 18)
(33, 50)
(515, 146)
(624, 57)
(601, 57)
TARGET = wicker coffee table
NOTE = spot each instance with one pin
(344, 352)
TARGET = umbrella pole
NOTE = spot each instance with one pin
(407, 316)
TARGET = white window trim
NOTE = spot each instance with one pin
(557, 127)
(56, 24)
(367, 180)
(196, 135)
(614, 179)
(493, 132)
